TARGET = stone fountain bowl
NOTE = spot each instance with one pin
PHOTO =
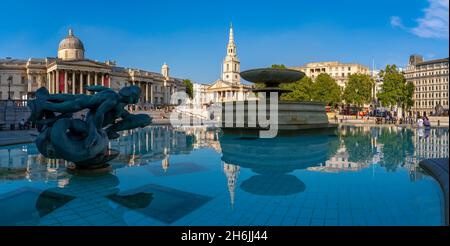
(272, 75)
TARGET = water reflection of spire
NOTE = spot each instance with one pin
(231, 172)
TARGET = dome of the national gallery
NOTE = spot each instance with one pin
(71, 48)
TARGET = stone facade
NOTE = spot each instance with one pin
(339, 71)
(70, 72)
(430, 79)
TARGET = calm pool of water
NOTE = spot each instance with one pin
(196, 176)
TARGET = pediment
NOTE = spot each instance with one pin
(90, 63)
(84, 63)
(220, 84)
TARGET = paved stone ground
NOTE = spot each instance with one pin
(17, 137)
(438, 168)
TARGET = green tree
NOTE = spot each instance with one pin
(301, 90)
(395, 91)
(326, 90)
(407, 99)
(189, 88)
(280, 66)
(358, 89)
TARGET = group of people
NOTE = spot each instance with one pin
(423, 122)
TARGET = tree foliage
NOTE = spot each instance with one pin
(301, 90)
(395, 90)
(326, 90)
(280, 66)
(189, 88)
(358, 90)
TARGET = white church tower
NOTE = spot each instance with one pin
(231, 64)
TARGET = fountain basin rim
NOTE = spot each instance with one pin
(272, 75)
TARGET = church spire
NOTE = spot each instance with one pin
(231, 64)
(231, 38)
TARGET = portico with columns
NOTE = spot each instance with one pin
(72, 76)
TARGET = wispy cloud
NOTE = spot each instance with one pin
(434, 23)
(396, 22)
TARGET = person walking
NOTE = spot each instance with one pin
(420, 122)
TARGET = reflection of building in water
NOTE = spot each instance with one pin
(340, 162)
(231, 172)
(27, 163)
(141, 146)
(204, 138)
(165, 161)
(430, 143)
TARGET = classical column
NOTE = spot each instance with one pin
(103, 79)
(53, 84)
(65, 81)
(57, 82)
(73, 82)
(48, 83)
(95, 78)
(151, 93)
(39, 78)
(89, 79)
(146, 92)
(81, 82)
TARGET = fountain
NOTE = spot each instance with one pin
(293, 117)
(84, 142)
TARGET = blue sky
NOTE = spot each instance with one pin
(191, 36)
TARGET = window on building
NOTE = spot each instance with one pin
(349, 69)
(343, 74)
(1, 95)
(22, 79)
(228, 67)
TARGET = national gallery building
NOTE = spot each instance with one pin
(70, 72)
